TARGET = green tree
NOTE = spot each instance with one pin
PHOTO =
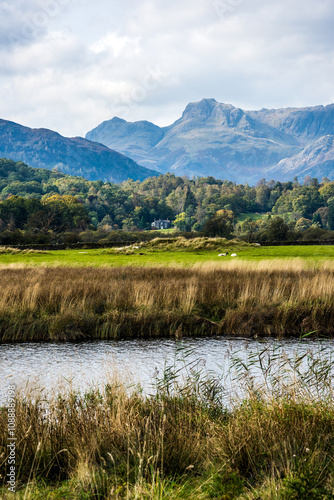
(317, 219)
(183, 222)
(277, 229)
(303, 224)
(330, 214)
(17, 210)
(68, 213)
(249, 226)
(262, 197)
(327, 191)
(190, 203)
(221, 224)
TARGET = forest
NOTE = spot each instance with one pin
(46, 206)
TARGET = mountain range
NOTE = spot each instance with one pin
(44, 148)
(210, 139)
(220, 140)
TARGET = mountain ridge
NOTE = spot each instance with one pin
(317, 157)
(44, 148)
(212, 138)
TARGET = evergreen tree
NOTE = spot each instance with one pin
(190, 203)
(317, 219)
(330, 217)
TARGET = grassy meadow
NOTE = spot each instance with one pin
(183, 442)
(170, 252)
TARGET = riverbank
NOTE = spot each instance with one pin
(277, 442)
(246, 299)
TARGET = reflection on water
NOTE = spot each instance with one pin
(82, 365)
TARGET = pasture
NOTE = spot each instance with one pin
(194, 252)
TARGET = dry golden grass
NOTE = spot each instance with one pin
(287, 264)
(10, 250)
(135, 436)
(194, 244)
(70, 303)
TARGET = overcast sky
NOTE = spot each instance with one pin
(68, 65)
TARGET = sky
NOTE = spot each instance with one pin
(68, 65)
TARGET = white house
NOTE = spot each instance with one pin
(161, 224)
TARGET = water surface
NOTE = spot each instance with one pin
(64, 366)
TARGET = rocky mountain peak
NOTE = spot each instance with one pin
(213, 138)
(200, 110)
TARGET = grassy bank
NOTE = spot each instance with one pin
(249, 299)
(275, 443)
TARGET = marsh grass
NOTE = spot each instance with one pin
(183, 442)
(181, 243)
(195, 244)
(72, 304)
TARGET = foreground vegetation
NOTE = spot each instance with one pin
(264, 298)
(184, 441)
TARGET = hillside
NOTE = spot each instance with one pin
(316, 160)
(220, 140)
(304, 124)
(44, 148)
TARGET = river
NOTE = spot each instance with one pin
(61, 367)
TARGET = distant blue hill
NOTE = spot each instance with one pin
(44, 148)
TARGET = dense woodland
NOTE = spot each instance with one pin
(43, 206)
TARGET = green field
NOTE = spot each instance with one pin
(147, 256)
(251, 215)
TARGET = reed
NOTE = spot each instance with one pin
(70, 304)
(277, 441)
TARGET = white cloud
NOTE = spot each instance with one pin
(116, 45)
(91, 60)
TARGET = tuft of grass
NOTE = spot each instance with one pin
(16, 251)
(196, 244)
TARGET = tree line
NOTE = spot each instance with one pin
(43, 206)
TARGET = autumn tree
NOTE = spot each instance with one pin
(221, 224)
